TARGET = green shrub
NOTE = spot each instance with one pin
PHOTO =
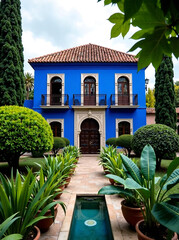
(67, 141)
(125, 141)
(58, 144)
(37, 154)
(22, 130)
(162, 138)
(111, 142)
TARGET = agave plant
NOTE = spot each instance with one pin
(17, 196)
(4, 227)
(159, 206)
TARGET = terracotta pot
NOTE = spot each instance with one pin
(67, 181)
(44, 224)
(111, 181)
(141, 236)
(38, 233)
(132, 215)
(61, 188)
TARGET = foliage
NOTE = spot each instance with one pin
(176, 87)
(11, 54)
(58, 144)
(162, 138)
(125, 141)
(165, 112)
(107, 152)
(5, 225)
(29, 84)
(67, 141)
(111, 142)
(16, 196)
(22, 130)
(159, 207)
(72, 150)
(158, 23)
(150, 98)
(37, 154)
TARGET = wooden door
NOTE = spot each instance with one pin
(56, 91)
(56, 129)
(123, 128)
(123, 91)
(89, 137)
(89, 91)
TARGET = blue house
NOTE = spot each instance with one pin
(89, 94)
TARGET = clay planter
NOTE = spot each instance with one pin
(111, 181)
(67, 181)
(141, 236)
(38, 233)
(44, 224)
(61, 188)
(131, 214)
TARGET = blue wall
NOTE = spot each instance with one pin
(106, 73)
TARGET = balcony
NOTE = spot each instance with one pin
(54, 101)
(124, 101)
(90, 100)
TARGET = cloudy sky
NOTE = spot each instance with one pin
(54, 25)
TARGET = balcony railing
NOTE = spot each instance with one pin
(122, 99)
(54, 100)
(89, 99)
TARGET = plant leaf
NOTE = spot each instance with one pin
(129, 10)
(132, 168)
(110, 190)
(173, 165)
(167, 215)
(172, 180)
(148, 162)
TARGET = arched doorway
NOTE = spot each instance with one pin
(123, 128)
(89, 91)
(123, 91)
(89, 136)
(56, 128)
(56, 91)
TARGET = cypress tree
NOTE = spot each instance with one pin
(165, 112)
(11, 54)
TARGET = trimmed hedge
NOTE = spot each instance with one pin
(111, 142)
(23, 130)
(67, 141)
(125, 141)
(162, 138)
(58, 144)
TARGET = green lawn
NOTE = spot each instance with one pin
(23, 163)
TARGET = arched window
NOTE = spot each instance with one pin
(56, 128)
(89, 91)
(123, 128)
(123, 91)
(56, 91)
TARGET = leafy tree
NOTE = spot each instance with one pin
(165, 112)
(158, 23)
(11, 54)
(29, 84)
(22, 130)
(150, 98)
(176, 95)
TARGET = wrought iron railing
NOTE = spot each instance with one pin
(54, 99)
(89, 99)
(122, 99)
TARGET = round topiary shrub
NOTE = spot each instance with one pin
(22, 130)
(125, 141)
(66, 141)
(162, 138)
(58, 144)
(111, 142)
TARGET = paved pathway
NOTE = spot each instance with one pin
(88, 178)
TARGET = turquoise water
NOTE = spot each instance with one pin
(90, 220)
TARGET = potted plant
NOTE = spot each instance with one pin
(73, 150)
(161, 210)
(105, 153)
(49, 193)
(16, 196)
(4, 227)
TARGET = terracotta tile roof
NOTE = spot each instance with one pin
(85, 53)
